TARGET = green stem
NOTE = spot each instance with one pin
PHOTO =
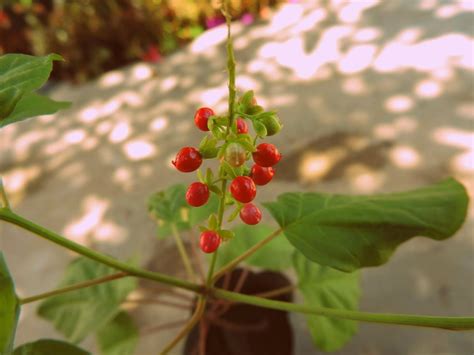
(3, 195)
(182, 252)
(74, 287)
(201, 304)
(232, 264)
(450, 323)
(19, 221)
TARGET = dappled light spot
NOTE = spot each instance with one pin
(123, 177)
(466, 110)
(405, 157)
(211, 97)
(142, 72)
(447, 11)
(428, 89)
(314, 166)
(309, 21)
(120, 132)
(427, 4)
(406, 124)
(278, 101)
(245, 82)
(409, 35)
(209, 39)
(367, 34)
(112, 78)
(130, 98)
(89, 114)
(354, 85)
(454, 137)
(464, 162)
(93, 209)
(288, 15)
(159, 124)
(110, 107)
(139, 150)
(74, 136)
(110, 233)
(443, 74)
(357, 58)
(399, 103)
(103, 127)
(90, 143)
(24, 143)
(385, 131)
(363, 179)
(352, 12)
(168, 84)
(17, 180)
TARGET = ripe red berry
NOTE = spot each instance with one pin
(188, 159)
(242, 126)
(250, 214)
(261, 175)
(197, 194)
(243, 189)
(201, 116)
(209, 241)
(266, 155)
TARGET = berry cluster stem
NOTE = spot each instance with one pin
(182, 252)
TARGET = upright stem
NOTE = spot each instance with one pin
(183, 253)
(74, 287)
(3, 195)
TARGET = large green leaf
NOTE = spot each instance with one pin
(119, 336)
(350, 232)
(33, 105)
(49, 347)
(76, 314)
(276, 255)
(9, 309)
(169, 207)
(20, 76)
(326, 287)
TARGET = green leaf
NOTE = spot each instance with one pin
(350, 232)
(276, 255)
(31, 105)
(76, 314)
(9, 309)
(226, 234)
(323, 286)
(259, 128)
(208, 148)
(49, 347)
(212, 222)
(119, 336)
(20, 75)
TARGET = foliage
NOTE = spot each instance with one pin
(49, 347)
(9, 311)
(97, 36)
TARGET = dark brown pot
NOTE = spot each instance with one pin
(240, 329)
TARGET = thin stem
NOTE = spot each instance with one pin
(201, 304)
(232, 264)
(276, 292)
(74, 287)
(158, 302)
(9, 216)
(450, 323)
(3, 195)
(165, 326)
(183, 253)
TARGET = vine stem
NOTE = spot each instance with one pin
(11, 217)
(74, 287)
(232, 264)
(451, 323)
(198, 312)
(182, 252)
(3, 195)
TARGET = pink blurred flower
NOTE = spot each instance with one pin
(212, 22)
(152, 54)
(247, 18)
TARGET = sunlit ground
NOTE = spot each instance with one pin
(375, 96)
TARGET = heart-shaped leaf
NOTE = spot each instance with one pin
(119, 336)
(78, 313)
(350, 232)
(326, 287)
(9, 309)
(49, 347)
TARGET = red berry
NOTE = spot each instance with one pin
(188, 159)
(197, 194)
(266, 155)
(243, 189)
(242, 126)
(209, 241)
(201, 116)
(250, 214)
(261, 175)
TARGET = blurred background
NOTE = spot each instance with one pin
(375, 96)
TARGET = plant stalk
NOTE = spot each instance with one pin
(74, 287)
(3, 195)
(183, 253)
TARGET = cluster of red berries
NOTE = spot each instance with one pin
(242, 188)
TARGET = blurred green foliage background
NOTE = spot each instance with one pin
(99, 35)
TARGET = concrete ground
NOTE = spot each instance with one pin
(375, 96)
